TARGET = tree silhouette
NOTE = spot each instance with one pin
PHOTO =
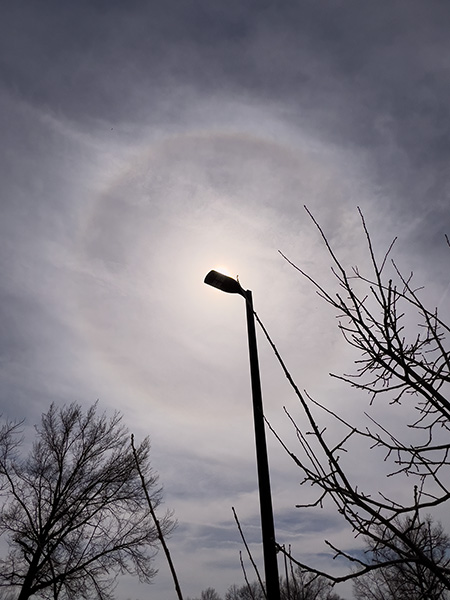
(73, 510)
(404, 359)
(303, 585)
(401, 580)
(250, 591)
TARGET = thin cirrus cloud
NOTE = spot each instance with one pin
(146, 143)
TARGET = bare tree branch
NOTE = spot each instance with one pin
(73, 511)
(159, 529)
(407, 364)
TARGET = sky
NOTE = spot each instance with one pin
(145, 143)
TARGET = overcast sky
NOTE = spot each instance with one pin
(144, 143)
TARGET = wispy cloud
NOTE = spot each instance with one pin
(143, 145)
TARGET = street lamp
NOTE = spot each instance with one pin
(232, 286)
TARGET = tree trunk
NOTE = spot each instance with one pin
(27, 586)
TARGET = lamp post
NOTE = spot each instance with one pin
(232, 286)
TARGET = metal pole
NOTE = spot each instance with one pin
(265, 496)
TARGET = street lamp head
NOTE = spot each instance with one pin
(224, 283)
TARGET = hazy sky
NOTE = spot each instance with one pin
(144, 143)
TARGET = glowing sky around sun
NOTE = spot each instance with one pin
(144, 144)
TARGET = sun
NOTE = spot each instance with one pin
(221, 268)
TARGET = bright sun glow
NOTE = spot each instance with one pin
(225, 271)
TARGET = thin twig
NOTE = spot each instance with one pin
(248, 552)
(249, 587)
(157, 524)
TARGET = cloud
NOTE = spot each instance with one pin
(144, 145)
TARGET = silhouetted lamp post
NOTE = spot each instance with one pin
(232, 286)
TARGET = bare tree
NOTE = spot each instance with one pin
(403, 358)
(73, 510)
(301, 584)
(406, 580)
(250, 591)
(298, 585)
(207, 594)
